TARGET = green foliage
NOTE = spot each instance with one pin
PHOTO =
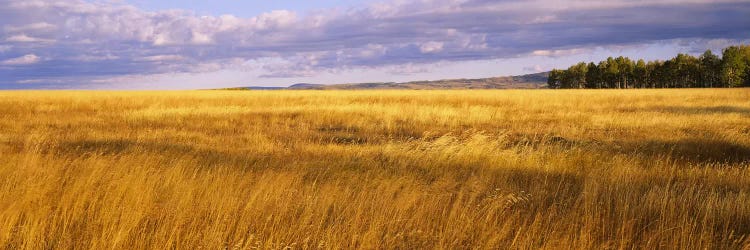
(682, 71)
(710, 69)
(553, 81)
(735, 66)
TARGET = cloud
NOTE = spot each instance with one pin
(94, 58)
(409, 69)
(560, 52)
(30, 27)
(431, 47)
(27, 39)
(161, 58)
(23, 60)
(45, 81)
(534, 69)
(109, 39)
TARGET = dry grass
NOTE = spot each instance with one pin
(375, 169)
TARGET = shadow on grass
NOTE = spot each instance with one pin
(689, 150)
(200, 155)
(701, 110)
(694, 150)
(116, 146)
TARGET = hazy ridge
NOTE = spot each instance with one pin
(529, 81)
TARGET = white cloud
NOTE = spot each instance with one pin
(274, 19)
(94, 58)
(27, 39)
(22, 60)
(560, 52)
(201, 38)
(161, 58)
(30, 27)
(409, 69)
(46, 81)
(534, 69)
(370, 51)
(431, 47)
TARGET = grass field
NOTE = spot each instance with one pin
(554, 169)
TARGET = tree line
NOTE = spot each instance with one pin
(708, 70)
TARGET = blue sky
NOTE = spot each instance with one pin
(138, 44)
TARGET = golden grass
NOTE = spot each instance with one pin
(554, 169)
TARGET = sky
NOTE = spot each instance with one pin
(152, 44)
(245, 9)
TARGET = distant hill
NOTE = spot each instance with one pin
(305, 86)
(530, 81)
(265, 88)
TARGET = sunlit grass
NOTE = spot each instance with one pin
(375, 169)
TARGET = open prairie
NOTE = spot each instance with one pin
(528, 169)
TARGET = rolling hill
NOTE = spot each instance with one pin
(530, 81)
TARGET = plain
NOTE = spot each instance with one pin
(526, 169)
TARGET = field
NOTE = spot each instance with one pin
(528, 169)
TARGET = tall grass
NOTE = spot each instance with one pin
(375, 169)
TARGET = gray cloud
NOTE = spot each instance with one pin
(57, 40)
